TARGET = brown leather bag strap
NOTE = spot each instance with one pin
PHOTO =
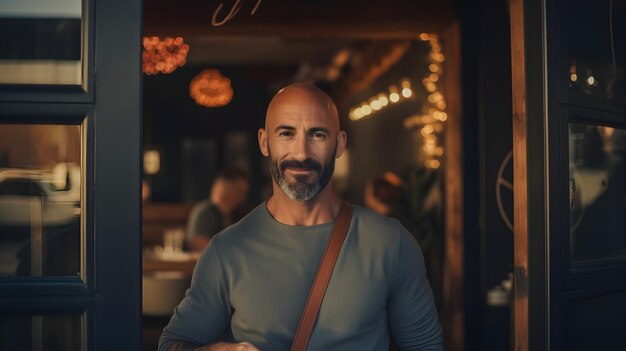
(322, 277)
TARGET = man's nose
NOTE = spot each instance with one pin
(300, 149)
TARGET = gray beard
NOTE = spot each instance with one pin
(301, 190)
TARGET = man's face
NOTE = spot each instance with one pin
(302, 140)
(229, 193)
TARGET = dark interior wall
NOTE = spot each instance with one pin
(488, 140)
(496, 134)
(379, 142)
(175, 123)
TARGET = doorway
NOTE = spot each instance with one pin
(394, 73)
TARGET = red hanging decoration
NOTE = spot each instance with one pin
(163, 56)
(211, 89)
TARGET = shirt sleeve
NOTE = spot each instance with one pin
(205, 220)
(412, 313)
(204, 314)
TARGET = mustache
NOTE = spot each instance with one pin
(307, 164)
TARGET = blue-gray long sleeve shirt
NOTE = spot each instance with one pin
(252, 281)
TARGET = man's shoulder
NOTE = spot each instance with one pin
(367, 218)
(378, 230)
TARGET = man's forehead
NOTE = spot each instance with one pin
(297, 103)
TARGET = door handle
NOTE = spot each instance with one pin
(572, 193)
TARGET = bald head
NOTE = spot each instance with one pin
(301, 101)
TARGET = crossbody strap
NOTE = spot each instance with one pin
(322, 277)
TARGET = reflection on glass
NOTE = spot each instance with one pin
(41, 42)
(595, 46)
(40, 200)
(597, 173)
(45, 333)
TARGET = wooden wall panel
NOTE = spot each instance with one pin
(520, 201)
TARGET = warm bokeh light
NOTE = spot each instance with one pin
(591, 80)
(163, 56)
(382, 99)
(151, 162)
(358, 112)
(366, 110)
(427, 129)
(211, 89)
(375, 105)
(442, 116)
(394, 97)
(406, 92)
(438, 57)
(573, 77)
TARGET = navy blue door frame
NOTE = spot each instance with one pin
(108, 108)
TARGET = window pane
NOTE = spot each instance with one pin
(41, 42)
(40, 207)
(597, 163)
(41, 333)
(595, 47)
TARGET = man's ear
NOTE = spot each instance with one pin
(342, 139)
(262, 135)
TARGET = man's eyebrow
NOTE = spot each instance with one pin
(319, 129)
(284, 126)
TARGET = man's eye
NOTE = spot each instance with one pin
(319, 135)
(285, 133)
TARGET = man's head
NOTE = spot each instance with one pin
(230, 189)
(302, 139)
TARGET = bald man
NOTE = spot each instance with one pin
(251, 283)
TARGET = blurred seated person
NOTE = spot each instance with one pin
(382, 194)
(145, 191)
(224, 207)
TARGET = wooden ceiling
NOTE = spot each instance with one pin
(367, 19)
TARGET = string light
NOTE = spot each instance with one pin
(394, 97)
(382, 100)
(375, 104)
(406, 88)
(431, 121)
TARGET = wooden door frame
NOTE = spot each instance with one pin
(531, 319)
(454, 256)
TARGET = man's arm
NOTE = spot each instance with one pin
(220, 346)
(204, 314)
(412, 313)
